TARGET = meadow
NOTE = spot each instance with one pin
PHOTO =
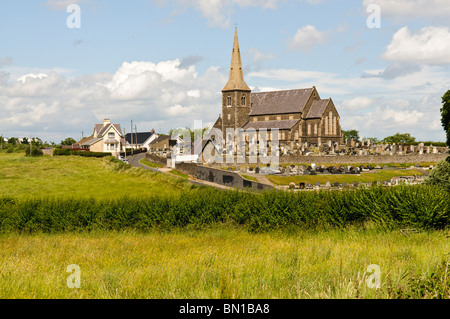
(139, 234)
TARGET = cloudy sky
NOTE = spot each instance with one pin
(162, 63)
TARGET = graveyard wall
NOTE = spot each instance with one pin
(347, 159)
(228, 178)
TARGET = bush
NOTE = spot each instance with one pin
(440, 175)
(34, 152)
(68, 151)
(61, 152)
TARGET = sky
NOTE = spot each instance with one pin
(162, 63)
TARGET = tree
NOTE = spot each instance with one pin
(445, 115)
(372, 140)
(13, 141)
(68, 141)
(351, 134)
(440, 175)
(25, 141)
(399, 138)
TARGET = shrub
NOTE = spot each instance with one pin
(35, 151)
(440, 175)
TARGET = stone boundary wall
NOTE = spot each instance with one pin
(156, 159)
(227, 178)
(347, 159)
(210, 174)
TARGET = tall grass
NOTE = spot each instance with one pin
(421, 206)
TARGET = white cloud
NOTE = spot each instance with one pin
(357, 103)
(162, 94)
(406, 9)
(60, 4)
(431, 45)
(306, 38)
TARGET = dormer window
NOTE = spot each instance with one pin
(243, 100)
(111, 135)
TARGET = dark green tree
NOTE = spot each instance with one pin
(398, 138)
(445, 115)
(351, 134)
(68, 141)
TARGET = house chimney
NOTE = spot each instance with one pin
(106, 122)
(153, 131)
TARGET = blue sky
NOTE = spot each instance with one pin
(163, 63)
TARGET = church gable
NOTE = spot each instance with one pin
(317, 109)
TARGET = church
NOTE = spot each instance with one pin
(301, 116)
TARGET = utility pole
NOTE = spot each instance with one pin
(135, 132)
(131, 137)
(31, 144)
(125, 135)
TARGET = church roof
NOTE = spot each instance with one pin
(317, 109)
(236, 78)
(280, 102)
(281, 124)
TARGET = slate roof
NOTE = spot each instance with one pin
(281, 125)
(141, 137)
(101, 129)
(279, 102)
(160, 138)
(89, 141)
(317, 109)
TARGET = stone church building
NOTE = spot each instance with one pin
(300, 115)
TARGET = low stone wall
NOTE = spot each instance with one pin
(347, 159)
(369, 159)
(156, 159)
(227, 178)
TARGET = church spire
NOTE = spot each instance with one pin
(236, 79)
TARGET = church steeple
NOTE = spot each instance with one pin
(236, 79)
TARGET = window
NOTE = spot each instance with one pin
(243, 100)
(229, 100)
(291, 117)
(111, 135)
(309, 129)
(112, 146)
(278, 118)
(315, 129)
(326, 125)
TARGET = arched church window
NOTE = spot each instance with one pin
(229, 100)
(243, 100)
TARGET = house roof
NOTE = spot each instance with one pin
(317, 109)
(141, 137)
(280, 102)
(90, 141)
(281, 125)
(101, 128)
(160, 139)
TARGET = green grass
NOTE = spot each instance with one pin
(381, 175)
(150, 164)
(250, 178)
(221, 262)
(75, 177)
(178, 173)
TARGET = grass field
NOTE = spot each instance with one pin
(380, 175)
(212, 259)
(220, 262)
(73, 176)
